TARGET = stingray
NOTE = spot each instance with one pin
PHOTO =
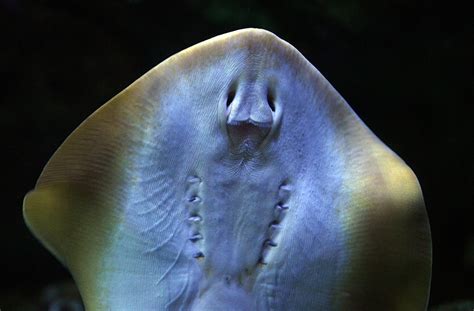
(233, 176)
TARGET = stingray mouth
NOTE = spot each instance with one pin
(249, 117)
(246, 136)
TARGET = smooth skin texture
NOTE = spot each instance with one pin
(233, 176)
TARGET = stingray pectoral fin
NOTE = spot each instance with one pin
(52, 213)
(388, 236)
(78, 200)
(75, 227)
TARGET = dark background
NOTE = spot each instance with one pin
(404, 66)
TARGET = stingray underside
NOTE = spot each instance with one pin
(233, 176)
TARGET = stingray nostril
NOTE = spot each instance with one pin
(271, 100)
(230, 97)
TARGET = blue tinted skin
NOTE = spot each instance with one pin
(234, 177)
